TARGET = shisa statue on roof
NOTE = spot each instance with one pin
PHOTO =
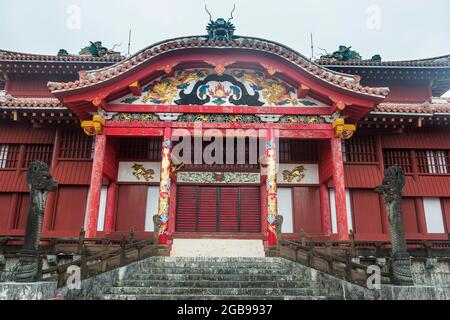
(343, 54)
(96, 49)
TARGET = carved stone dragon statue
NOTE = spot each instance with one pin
(39, 183)
(392, 188)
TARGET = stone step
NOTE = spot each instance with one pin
(208, 264)
(206, 297)
(217, 270)
(215, 291)
(217, 259)
(212, 277)
(213, 284)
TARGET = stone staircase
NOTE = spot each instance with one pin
(215, 278)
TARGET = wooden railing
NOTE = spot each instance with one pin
(340, 266)
(379, 249)
(103, 261)
(95, 255)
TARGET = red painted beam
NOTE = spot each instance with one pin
(324, 132)
(131, 131)
(218, 109)
(218, 125)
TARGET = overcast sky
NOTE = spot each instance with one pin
(396, 29)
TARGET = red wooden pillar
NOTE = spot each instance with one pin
(164, 186)
(96, 186)
(339, 189)
(271, 187)
(110, 211)
(263, 197)
(325, 209)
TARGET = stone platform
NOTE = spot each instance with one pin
(217, 248)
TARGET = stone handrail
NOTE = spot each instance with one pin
(339, 266)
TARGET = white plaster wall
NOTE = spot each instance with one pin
(102, 209)
(152, 207)
(333, 210)
(433, 215)
(285, 209)
(217, 248)
(126, 171)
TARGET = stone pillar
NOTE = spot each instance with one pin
(339, 189)
(52, 196)
(93, 204)
(164, 187)
(271, 188)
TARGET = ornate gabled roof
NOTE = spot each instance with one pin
(442, 61)
(341, 80)
(436, 105)
(6, 55)
(22, 102)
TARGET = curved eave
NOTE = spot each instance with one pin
(12, 56)
(435, 62)
(92, 80)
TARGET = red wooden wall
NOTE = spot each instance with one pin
(306, 209)
(5, 204)
(131, 206)
(70, 209)
(367, 219)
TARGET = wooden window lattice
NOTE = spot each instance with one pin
(297, 151)
(41, 152)
(76, 145)
(148, 149)
(433, 161)
(359, 149)
(399, 157)
(9, 155)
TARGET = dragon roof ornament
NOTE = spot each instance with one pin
(220, 29)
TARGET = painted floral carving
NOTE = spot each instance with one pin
(271, 189)
(274, 92)
(164, 190)
(135, 117)
(222, 118)
(240, 87)
(166, 90)
(219, 94)
(302, 119)
(218, 177)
